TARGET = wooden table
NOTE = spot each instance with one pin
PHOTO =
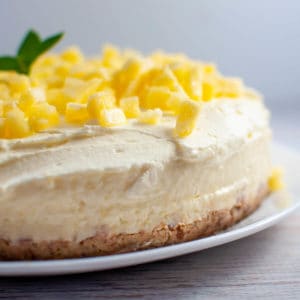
(263, 266)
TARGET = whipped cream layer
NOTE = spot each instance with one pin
(73, 183)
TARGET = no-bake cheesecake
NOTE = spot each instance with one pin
(124, 152)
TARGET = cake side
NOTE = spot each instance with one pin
(132, 179)
(162, 235)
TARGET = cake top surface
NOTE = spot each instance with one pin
(111, 90)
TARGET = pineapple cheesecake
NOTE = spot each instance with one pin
(123, 152)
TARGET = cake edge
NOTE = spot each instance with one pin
(162, 235)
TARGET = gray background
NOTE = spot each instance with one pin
(258, 40)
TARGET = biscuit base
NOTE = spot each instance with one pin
(162, 235)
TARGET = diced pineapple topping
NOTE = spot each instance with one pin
(275, 181)
(72, 55)
(130, 106)
(111, 117)
(43, 116)
(109, 89)
(163, 98)
(76, 113)
(99, 101)
(150, 116)
(187, 117)
(16, 124)
(208, 90)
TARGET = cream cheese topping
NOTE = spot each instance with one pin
(71, 183)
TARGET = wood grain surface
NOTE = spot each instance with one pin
(263, 266)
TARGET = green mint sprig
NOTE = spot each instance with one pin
(30, 49)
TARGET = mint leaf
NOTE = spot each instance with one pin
(50, 42)
(30, 49)
(9, 63)
(29, 46)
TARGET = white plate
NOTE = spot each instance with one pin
(274, 209)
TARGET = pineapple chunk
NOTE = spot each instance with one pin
(187, 118)
(4, 91)
(30, 97)
(1, 108)
(56, 98)
(76, 113)
(43, 116)
(130, 107)
(2, 128)
(151, 116)
(230, 87)
(167, 79)
(18, 83)
(111, 57)
(77, 90)
(208, 90)
(8, 106)
(126, 75)
(16, 124)
(163, 98)
(72, 55)
(209, 68)
(63, 69)
(99, 101)
(111, 117)
(275, 182)
(191, 80)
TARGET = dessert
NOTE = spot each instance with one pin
(123, 152)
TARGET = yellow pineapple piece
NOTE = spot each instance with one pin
(275, 181)
(193, 83)
(9, 105)
(111, 117)
(209, 68)
(76, 113)
(187, 118)
(4, 91)
(18, 83)
(230, 87)
(208, 90)
(126, 75)
(151, 116)
(38, 93)
(77, 90)
(88, 70)
(43, 116)
(111, 57)
(100, 100)
(25, 102)
(163, 98)
(130, 106)
(54, 81)
(63, 69)
(1, 108)
(162, 59)
(16, 124)
(190, 78)
(139, 86)
(72, 55)
(167, 79)
(81, 70)
(31, 96)
(44, 61)
(57, 98)
(2, 129)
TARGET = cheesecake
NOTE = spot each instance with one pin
(124, 152)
